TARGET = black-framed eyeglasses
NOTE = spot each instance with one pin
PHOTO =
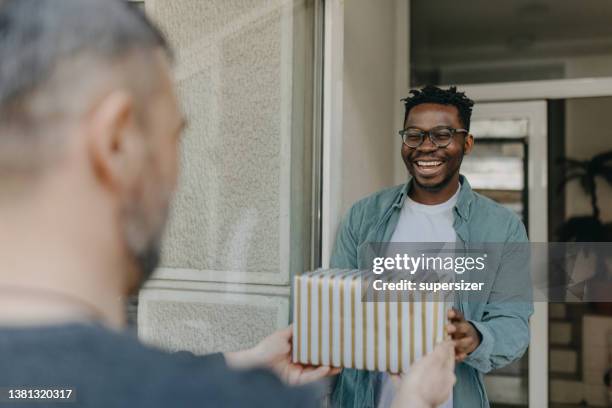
(440, 136)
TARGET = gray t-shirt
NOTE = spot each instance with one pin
(110, 369)
(421, 223)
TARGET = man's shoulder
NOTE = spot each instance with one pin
(490, 214)
(484, 206)
(106, 366)
(378, 201)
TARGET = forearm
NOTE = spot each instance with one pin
(242, 359)
(503, 340)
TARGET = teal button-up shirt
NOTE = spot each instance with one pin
(501, 315)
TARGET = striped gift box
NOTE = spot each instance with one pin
(333, 327)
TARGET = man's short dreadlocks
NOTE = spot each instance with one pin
(450, 96)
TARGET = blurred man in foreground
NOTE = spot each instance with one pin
(89, 135)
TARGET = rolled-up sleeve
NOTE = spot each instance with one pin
(504, 326)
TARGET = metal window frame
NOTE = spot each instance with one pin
(317, 136)
(331, 124)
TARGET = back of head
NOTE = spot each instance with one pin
(89, 130)
(53, 53)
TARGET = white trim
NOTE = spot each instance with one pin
(220, 287)
(549, 89)
(198, 275)
(332, 125)
(537, 185)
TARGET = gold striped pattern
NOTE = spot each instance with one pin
(387, 333)
(375, 331)
(400, 345)
(342, 281)
(411, 320)
(319, 349)
(423, 325)
(435, 320)
(364, 323)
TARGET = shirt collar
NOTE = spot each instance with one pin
(464, 201)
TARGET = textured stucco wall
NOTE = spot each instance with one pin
(205, 321)
(230, 219)
(226, 213)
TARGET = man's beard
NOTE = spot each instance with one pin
(437, 187)
(144, 250)
(147, 260)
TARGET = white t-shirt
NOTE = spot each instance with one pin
(421, 223)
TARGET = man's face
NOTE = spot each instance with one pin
(145, 208)
(432, 167)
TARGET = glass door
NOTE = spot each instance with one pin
(509, 165)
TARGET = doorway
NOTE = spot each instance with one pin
(509, 165)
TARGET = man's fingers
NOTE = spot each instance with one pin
(444, 354)
(300, 374)
(293, 376)
(311, 374)
(395, 379)
(334, 371)
(460, 357)
(454, 315)
(287, 332)
(460, 328)
(447, 352)
(463, 328)
(464, 344)
(457, 330)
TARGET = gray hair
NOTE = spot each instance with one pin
(38, 39)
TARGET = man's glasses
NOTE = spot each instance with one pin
(440, 136)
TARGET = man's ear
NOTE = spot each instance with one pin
(468, 144)
(110, 126)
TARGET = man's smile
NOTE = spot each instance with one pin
(428, 167)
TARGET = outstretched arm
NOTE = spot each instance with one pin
(430, 380)
(274, 352)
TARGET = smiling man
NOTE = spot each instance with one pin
(438, 205)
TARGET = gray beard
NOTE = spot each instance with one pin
(147, 260)
(145, 253)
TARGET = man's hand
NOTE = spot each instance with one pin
(464, 334)
(429, 381)
(274, 352)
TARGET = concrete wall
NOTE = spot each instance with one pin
(229, 247)
(588, 132)
(370, 141)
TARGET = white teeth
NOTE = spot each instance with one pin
(429, 163)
